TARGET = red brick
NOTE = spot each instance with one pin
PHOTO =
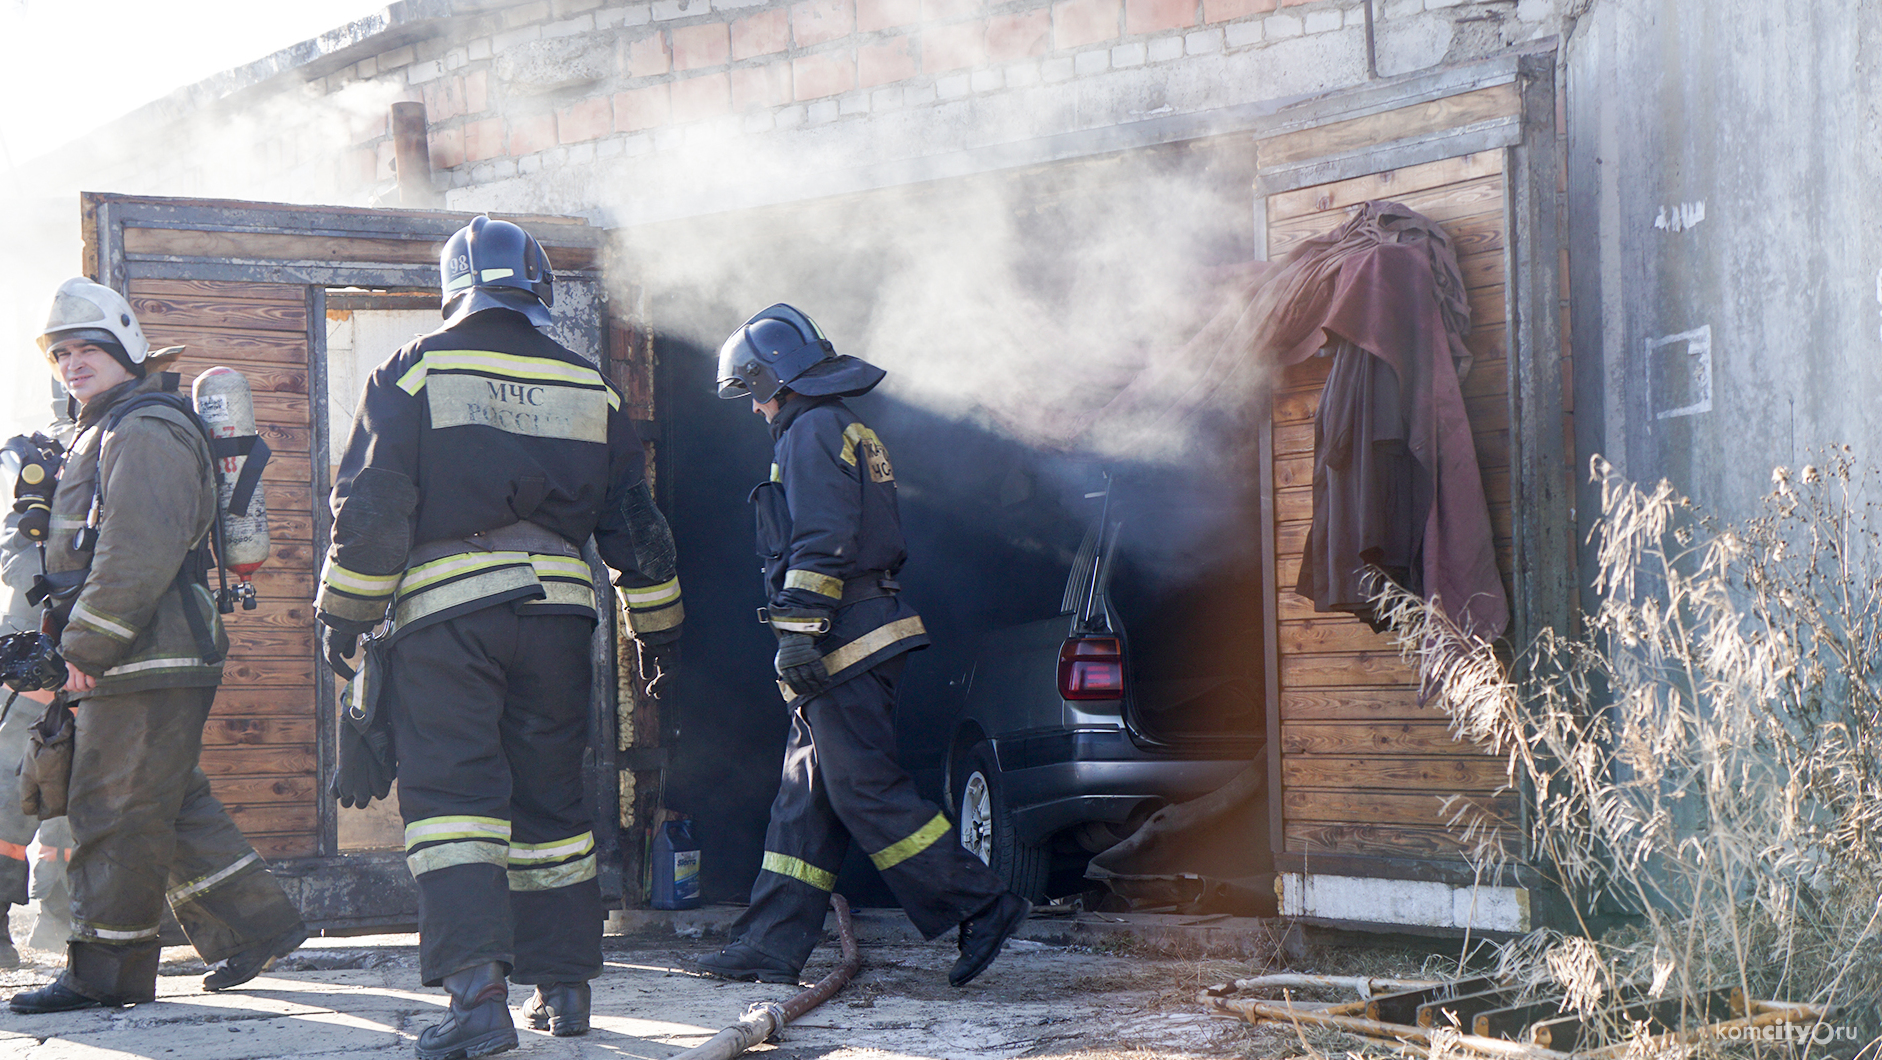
(872, 15)
(641, 108)
(1224, 10)
(815, 76)
(532, 134)
(1076, 23)
(1018, 36)
(447, 148)
(892, 60)
(945, 48)
(1158, 16)
(817, 21)
(483, 139)
(591, 119)
(697, 47)
(933, 10)
(698, 98)
(761, 34)
(444, 99)
(648, 56)
(477, 92)
(761, 86)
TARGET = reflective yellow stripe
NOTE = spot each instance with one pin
(872, 642)
(653, 595)
(799, 869)
(560, 567)
(507, 365)
(901, 850)
(841, 659)
(821, 584)
(432, 829)
(553, 876)
(853, 435)
(187, 892)
(331, 601)
(445, 855)
(360, 584)
(83, 615)
(777, 473)
(503, 580)
(451, 566)
(564, 593)
(524, 853)
(84, 930)
(655, 621)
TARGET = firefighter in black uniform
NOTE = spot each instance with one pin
(831, 539)
(481, 458)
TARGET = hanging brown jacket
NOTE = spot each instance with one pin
(1384, 290)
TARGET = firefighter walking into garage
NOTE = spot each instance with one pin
(831, 538)
(482, 457)
(143, 647)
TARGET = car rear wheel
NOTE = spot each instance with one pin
(987, 829)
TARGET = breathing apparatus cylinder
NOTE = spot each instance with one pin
(227, 408)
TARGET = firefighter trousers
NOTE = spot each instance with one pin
(841, 783)
(147, 829)
(16, 828)
(490, 722)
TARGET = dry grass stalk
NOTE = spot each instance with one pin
(1704, 755)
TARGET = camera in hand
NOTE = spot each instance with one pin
(30, 662)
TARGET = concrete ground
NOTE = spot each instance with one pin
(1090, 987)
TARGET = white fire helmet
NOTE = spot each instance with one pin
(86, 310)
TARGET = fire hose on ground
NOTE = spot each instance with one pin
(767, 1018)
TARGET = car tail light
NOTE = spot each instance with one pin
(1091, 668)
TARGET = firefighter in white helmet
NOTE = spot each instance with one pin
(126, 583)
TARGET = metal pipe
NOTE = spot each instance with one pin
(1372, 53)
(1364, 986)
(411, 150)
(766, 1018)
(1254, 1011)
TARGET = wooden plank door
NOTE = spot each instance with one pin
(1363, 770)
(1364, 767)
(246, 285)
(261, 748)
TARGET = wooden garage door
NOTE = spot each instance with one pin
(259, 748)
(1365, 769)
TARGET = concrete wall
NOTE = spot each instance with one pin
(1723, 217)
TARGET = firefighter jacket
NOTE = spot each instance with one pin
(830, 534)
(156, 494)
(481, 457)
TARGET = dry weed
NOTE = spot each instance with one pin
(1704, 755)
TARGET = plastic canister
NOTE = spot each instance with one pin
(675, 867)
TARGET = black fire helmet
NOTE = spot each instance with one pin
(782, 347)
(495, 265)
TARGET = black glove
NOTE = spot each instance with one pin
(658, 665)
(367, 765)
(800, 664)
(339, 640)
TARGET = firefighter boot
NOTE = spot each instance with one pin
(479, 1022)
(984, 933)
(559, 1008)
(744, 961)
(9, 955)
(251, 962)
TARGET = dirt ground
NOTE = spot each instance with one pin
(360, 997)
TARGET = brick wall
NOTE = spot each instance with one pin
(627, 111)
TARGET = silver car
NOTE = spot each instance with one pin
(1145, 688)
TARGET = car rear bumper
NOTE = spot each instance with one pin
(1056, 781)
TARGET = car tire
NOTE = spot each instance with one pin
(987, 830)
